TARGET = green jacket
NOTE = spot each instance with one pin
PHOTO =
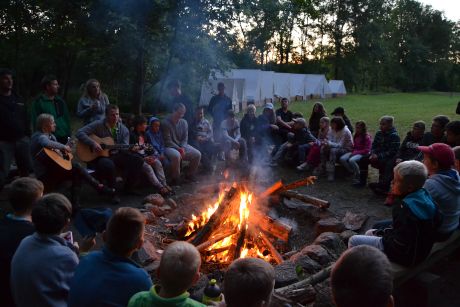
(56, 107)
(151, 298)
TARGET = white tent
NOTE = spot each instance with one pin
(281, 85)
(316, 86)
(252, 79)
(297, 86)
(337, 87)
(209, 89)
(266, 86)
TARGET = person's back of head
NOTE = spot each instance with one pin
(125, 231)
(362, 277)
(457, 158)
(51, 214)
(249, 282)
(179, 268)
(24, 193)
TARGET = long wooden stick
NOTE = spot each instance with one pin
(302, 285)
(273, 251)
(323, 204)
(214, 240)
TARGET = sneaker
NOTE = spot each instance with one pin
(303, 167)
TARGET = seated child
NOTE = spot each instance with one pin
(249, 129)
(152, 167)
(22, 196)
(179, 270)
(362, 277)
(231, 137)
(310, 155)
(249, 282)
(300, 136)
(443, 185)
(361, 146)
(413, 139)
(202, 138)
(44, 262)
(108, 277)
(409, 239)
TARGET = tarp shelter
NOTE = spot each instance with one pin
(209, 89)
(337, 88)
(297, 86)
(316, 86)
(267, 86)
(282, 85)
(252, 79)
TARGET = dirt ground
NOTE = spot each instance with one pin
(440, 288)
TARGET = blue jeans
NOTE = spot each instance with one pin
(367, 239)
(303, 152)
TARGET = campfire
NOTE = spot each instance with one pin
(236, 226)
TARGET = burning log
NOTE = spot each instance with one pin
(217, 251)
(274, 252)
(269, 225)
(322, 204)
(214, 240)
(297, 184)
(240, 242)
(275, 187)
(215, 219)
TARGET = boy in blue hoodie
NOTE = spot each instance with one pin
(443, 185)
(411, 235)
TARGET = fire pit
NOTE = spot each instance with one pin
(236, 226)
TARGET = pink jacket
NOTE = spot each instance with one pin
(362, 146)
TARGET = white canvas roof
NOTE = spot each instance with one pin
(337, 87)
(252, 78)
(297, 85)
(266, 85)
(282, 85)
(316, 85)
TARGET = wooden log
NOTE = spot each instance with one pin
(297, 184)
(215, 219)
(269, 225)
(275, 187)
(322, 204)
(273, 251)
(214, 240)
(302, 287)
(218, 250)
(240, 241)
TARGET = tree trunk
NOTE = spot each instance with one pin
(139, 82)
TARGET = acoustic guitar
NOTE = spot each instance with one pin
(61, 158)
(86, 153)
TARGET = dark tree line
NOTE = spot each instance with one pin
(134, 46)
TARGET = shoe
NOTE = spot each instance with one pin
(303, 167)
(103, 189)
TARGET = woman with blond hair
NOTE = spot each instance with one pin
(92, 103)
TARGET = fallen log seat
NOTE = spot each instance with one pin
(438, 252)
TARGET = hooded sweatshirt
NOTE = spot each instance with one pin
(156, 139)
(444, 187)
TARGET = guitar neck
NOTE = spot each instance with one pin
(117, 146)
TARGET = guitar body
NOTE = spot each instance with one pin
(86, 154)
(63, 160)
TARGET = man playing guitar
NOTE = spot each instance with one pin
(129, 163)
(49, 171)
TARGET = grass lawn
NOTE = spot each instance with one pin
(405, 107)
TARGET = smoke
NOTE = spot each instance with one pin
(274, 215)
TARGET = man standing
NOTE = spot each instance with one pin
(175, 134)
(218, 108)
(175, 89)
(49, 102)
(14, 129)
(129, 163)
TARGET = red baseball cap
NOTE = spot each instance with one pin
(440, 152)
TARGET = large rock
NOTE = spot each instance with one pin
(330, 224)
(154, 199)
(285, 274)
(354, 221)
(332, 242)
(323, 294)
(315, 252)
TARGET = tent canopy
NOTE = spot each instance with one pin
(317, 86)
(281, 85)
(337, 87)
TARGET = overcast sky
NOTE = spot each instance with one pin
(451, 8)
